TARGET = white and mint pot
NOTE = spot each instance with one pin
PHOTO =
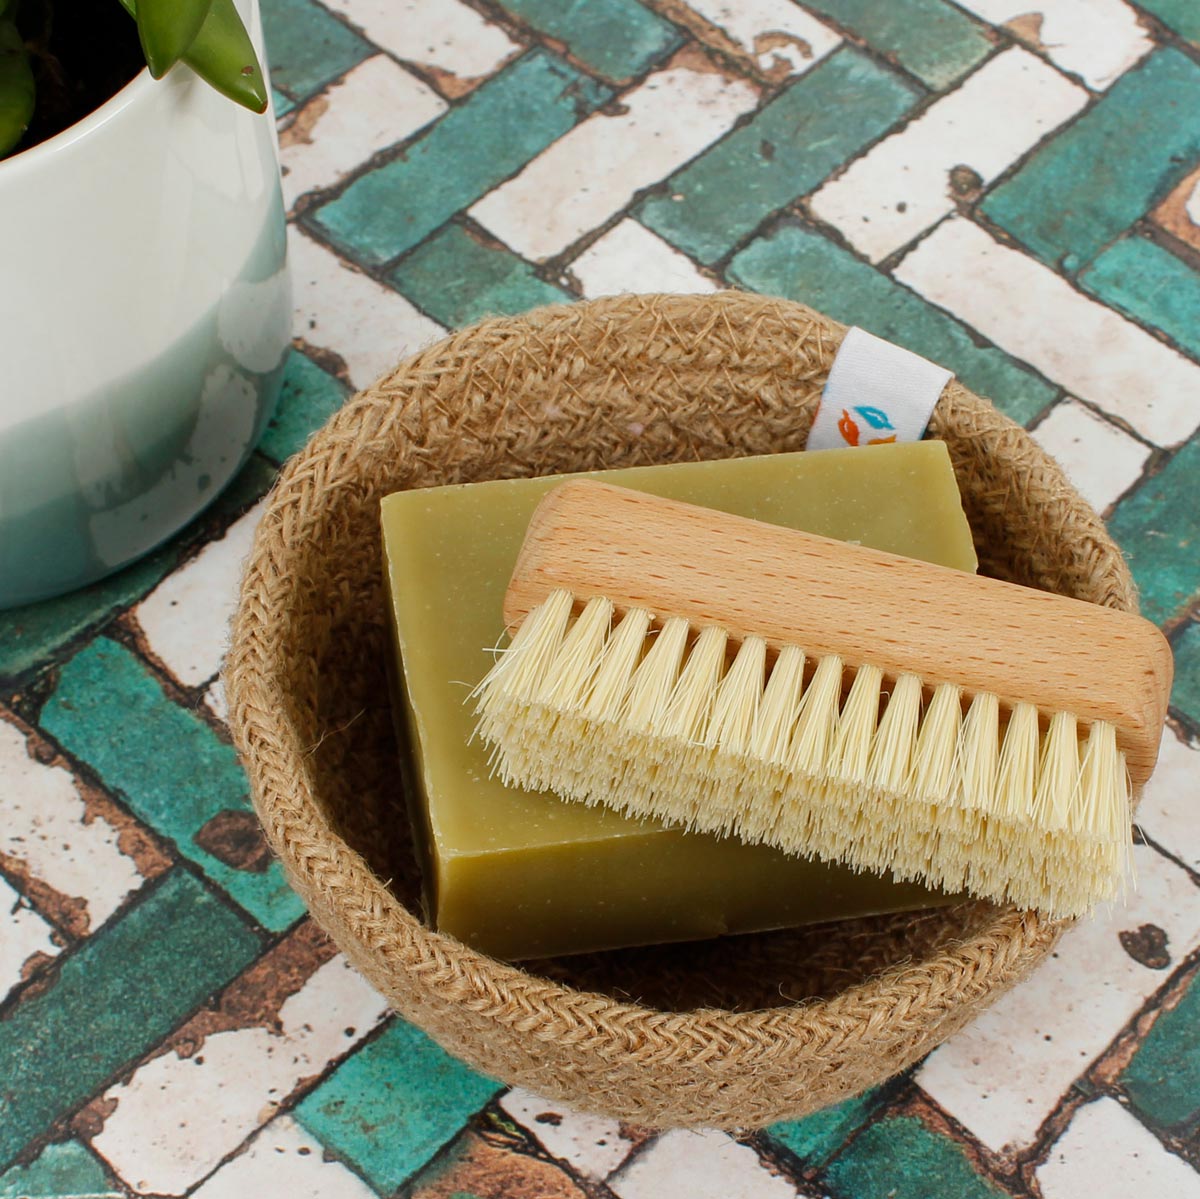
(144, 320)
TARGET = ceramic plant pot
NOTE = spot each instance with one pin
(144, 319)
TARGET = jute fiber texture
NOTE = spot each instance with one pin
(735, 1033)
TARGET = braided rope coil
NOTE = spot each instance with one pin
(737, 1033)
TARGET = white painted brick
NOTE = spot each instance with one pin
(700, 1165)
(374, 106)
(1004, 1074)
(1107, 1154)
(586, 176)
(1098, 40)
(902, 186)
(369, 326)
(593, 1145)
(284, 1160)
(446, 36)
(1100, 459)
(45, 825)
(776, 34)
(1037, 316)
(24, 934)
(216, 702)
(186, 617)
(177, 1118)
(629, 258)
(1170, 808)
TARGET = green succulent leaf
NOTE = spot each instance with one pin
(223, 55)
(166, 29)
(17, 91)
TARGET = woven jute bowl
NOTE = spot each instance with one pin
(737, 1032)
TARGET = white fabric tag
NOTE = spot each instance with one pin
(876, 392)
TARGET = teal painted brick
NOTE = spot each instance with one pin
(1092, 181)
(1181, 15)
(308, 397)
(934, 41)
(457, 279)
(818, 1137)
(902, 1158)
(615, 38)
(1151, 285)
(307, 46)
(798, 263)
(62, 1169)
(492, 134)
(1163, 1079)
(167, 763)
(389, 1107)
(1158, 527)
(111, 1000)
(31, 634)
(789, 147)
(283, 104)
(1185, 692)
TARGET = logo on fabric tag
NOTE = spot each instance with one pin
(877, 393)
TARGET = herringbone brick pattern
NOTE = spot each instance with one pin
(1010, 188)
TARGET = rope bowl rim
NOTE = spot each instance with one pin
(688, 376)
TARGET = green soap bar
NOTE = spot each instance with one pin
(520, 874)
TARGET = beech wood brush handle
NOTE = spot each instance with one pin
(869, 607)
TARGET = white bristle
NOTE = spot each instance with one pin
(1058, 773)
(736, 707)
(653, 723)
(655, 677)
(686, 715)
(521, 668)
(932, 777)
(813, 735)
(1017, 772)
(856, 726)
(1103, 808)
(574, 666)
(891, 755)
(979, 753)
(780, 702)
(615, 674)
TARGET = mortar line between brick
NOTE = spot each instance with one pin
(536, 1151)
(892, 1094)
(70, 940)
(1162, 33)
(300, 1093)
(1162, 850)
(32, 1148)
(294, 1097)
(1002, 237)
(1088, 1086)
(575, 248)
(1159, 454)
(170, 846)
(802, 216)
(1045, 57)
(318, 198)
(127, 632)
(522, 30)
(999, 37)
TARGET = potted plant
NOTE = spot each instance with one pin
(144, 299)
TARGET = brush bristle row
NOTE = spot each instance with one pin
(660, 722)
